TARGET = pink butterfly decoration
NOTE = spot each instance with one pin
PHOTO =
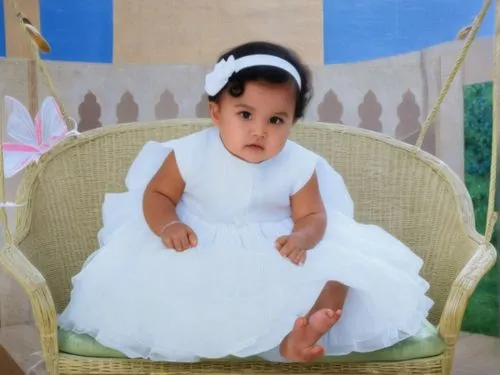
(31, 139)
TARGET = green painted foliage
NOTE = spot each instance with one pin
(482, 312)
(478, 107)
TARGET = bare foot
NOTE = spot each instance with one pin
(300, 344)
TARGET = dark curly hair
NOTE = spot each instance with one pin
(271, 74)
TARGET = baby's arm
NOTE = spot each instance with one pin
(162, 195)
(159, 204)
(309, 218)
(308, 213)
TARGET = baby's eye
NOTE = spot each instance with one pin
(275, 120)
(245, 114)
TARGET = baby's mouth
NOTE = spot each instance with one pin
(255, 146)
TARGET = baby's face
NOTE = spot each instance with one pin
(256, 125)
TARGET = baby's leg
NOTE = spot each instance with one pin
(300, 345)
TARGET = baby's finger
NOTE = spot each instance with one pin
(177, 244)
(184, 242)
(192, 238)
(280, 242)
(287, 249)
(296, 256)
(167, 241)
(303, 257)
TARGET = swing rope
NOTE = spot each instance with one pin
(34, 48)
(491, 214)
(48, 82)
(451, 77)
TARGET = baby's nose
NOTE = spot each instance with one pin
(259, 129)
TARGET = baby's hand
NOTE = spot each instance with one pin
(179, 236)
(292, 247)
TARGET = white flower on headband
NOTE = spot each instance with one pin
(217, 78)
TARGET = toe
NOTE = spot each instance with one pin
(312, 352)
(323, 320)
(300, 323)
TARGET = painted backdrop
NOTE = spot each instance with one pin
(194, 31)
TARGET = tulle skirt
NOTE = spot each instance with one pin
(234, 294)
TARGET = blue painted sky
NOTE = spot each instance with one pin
(78, 30)
(356, 30)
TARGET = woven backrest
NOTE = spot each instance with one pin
(410, 194)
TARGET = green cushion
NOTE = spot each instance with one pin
(426, 343)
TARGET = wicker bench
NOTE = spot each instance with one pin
(406, 191)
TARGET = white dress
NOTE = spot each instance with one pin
(234, 294)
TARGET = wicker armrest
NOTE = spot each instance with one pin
(463, 286)
(42, 304)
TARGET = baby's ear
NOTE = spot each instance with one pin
(214, 110)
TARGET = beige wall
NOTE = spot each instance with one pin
(356, 95)
(162, 31)
(16, 41)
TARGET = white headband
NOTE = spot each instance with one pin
(218, 77)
